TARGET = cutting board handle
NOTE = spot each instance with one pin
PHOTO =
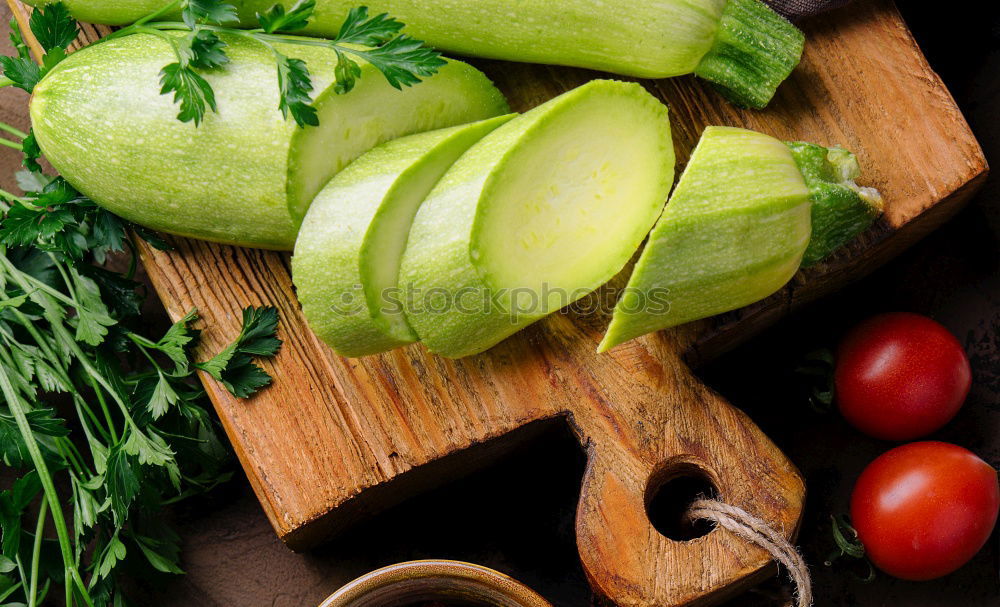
(684, 430)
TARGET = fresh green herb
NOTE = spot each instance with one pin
(23, 73)
(53, 27)
(233, 366)
(277, 19)
(191, 91)
(194, 12)
(55, 30)
(130, 432)
(403, 61)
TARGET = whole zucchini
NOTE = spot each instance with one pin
(742, 46)
(246, 175)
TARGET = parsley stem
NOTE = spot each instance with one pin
(10, 197)
(5, 82)
(14, 588)
(43, 511)
(13, 131)
(15, 403)
(256, 34)
(138, 25)
(62, 335)
(22, 278)
(10, 144)
(104, 407)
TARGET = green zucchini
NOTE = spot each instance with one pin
(539, 213)
(734, 231)
(742, 46)
(348, 252)
(246, 175)
(841, 208)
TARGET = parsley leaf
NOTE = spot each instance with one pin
(153, 550)
(23, 225)
(23, 72)
(193, 92)
(92, 317)
(296, 86)
(403, 60)
(206, 50)
(122, 481)
(13, 502)
(233, 366)
(276, 19)
(359, 29)
(55, 31)
(53, 26)
(176, 342)
(31, 151)
(208, 11)
(162, 398)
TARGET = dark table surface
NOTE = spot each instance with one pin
(517, 516)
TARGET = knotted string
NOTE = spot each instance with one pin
(754, 530)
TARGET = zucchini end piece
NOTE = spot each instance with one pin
(755, 50)
(733, 232)
(841, 209)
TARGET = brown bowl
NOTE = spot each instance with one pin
(410, 583)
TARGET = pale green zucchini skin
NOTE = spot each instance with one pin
(347, 255)
(741, 45)
(246, 175)
(734, 231)
(841, 208)
(108, 12)
(611, 147)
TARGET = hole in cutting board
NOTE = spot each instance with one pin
(669, 495)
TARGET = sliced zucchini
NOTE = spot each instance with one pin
(539, 213)
(734, 231)
(347, 255)
(246, 175)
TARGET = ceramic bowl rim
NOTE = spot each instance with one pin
(458, 571)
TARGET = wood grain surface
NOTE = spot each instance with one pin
(334, 440)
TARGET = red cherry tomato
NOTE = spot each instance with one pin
(900, 376)
(924, 509)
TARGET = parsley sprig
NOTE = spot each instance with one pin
(204, 24)
(107, 426)
(55, 30)
(134, 433)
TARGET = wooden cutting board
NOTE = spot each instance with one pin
(336, 440)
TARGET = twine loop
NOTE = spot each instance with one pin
(756, 531)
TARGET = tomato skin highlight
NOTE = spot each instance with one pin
(924, 509)
(900, 376)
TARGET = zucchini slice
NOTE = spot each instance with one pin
(246, 175)
(542, 211)
(347, 255)
(734, 231)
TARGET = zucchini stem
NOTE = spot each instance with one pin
(841, 209)
(755, 50)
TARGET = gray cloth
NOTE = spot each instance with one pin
(796, 9)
